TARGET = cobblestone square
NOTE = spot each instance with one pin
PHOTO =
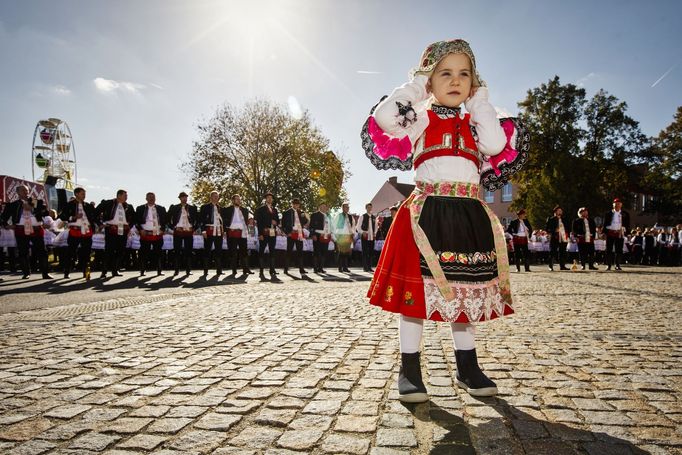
(589, 364)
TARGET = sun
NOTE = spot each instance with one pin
(254, 33)
(238, 20)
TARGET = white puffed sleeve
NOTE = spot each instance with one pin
(491, 137)
(412, 121)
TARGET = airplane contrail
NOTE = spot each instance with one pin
(204, 33)
(664, 75)
(368, 72)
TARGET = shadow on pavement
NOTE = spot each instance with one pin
(515, 432)
(60, 286)
(12, 284)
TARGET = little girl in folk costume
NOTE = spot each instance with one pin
(445, 257)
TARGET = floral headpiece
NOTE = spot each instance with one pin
(435, 52)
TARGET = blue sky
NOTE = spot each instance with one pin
(133, 78)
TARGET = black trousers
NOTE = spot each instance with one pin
(217, 253)
(270, 242)
(182, 246)
(557, 247)
(320, 250)
(11, 259)
(519, 251)
(150, 251)
(586, 252)
(85, 244)
(299, 252)
(114, 249)
(637, 253)
(36, 245)
(344, 261)
(237, 248)
(675, 255)
(663, 255)
(612, 242)
(367, 254)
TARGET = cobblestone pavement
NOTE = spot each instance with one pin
(589, 364)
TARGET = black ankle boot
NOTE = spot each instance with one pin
(470, 377)
(410, 384)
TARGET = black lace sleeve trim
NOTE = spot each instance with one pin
(368, 147)
(520, 143)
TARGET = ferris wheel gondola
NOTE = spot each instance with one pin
(53, 153)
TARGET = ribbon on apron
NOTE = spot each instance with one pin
(423, 190)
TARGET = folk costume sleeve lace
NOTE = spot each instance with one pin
(395, 124)
(396, 115)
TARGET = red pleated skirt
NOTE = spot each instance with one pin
(397, 285)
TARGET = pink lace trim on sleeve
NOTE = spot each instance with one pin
(386, 146)
(508, 154)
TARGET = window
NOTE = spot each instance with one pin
(635, 202)
(489, 196)
(507, 193)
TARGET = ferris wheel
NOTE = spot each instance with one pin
(53, 153)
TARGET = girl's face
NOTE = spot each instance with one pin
(451, 81)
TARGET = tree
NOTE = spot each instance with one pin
(665, 170)
(581, 151)
(551, 113)
(260, 148)
(613, 143)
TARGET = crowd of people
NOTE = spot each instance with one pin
(114, 235)
(149, 237)
(614, 241)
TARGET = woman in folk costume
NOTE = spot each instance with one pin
(344, 228)
(445, 256)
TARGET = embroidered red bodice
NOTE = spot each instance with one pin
(448, 137)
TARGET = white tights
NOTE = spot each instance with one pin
(411, 330)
